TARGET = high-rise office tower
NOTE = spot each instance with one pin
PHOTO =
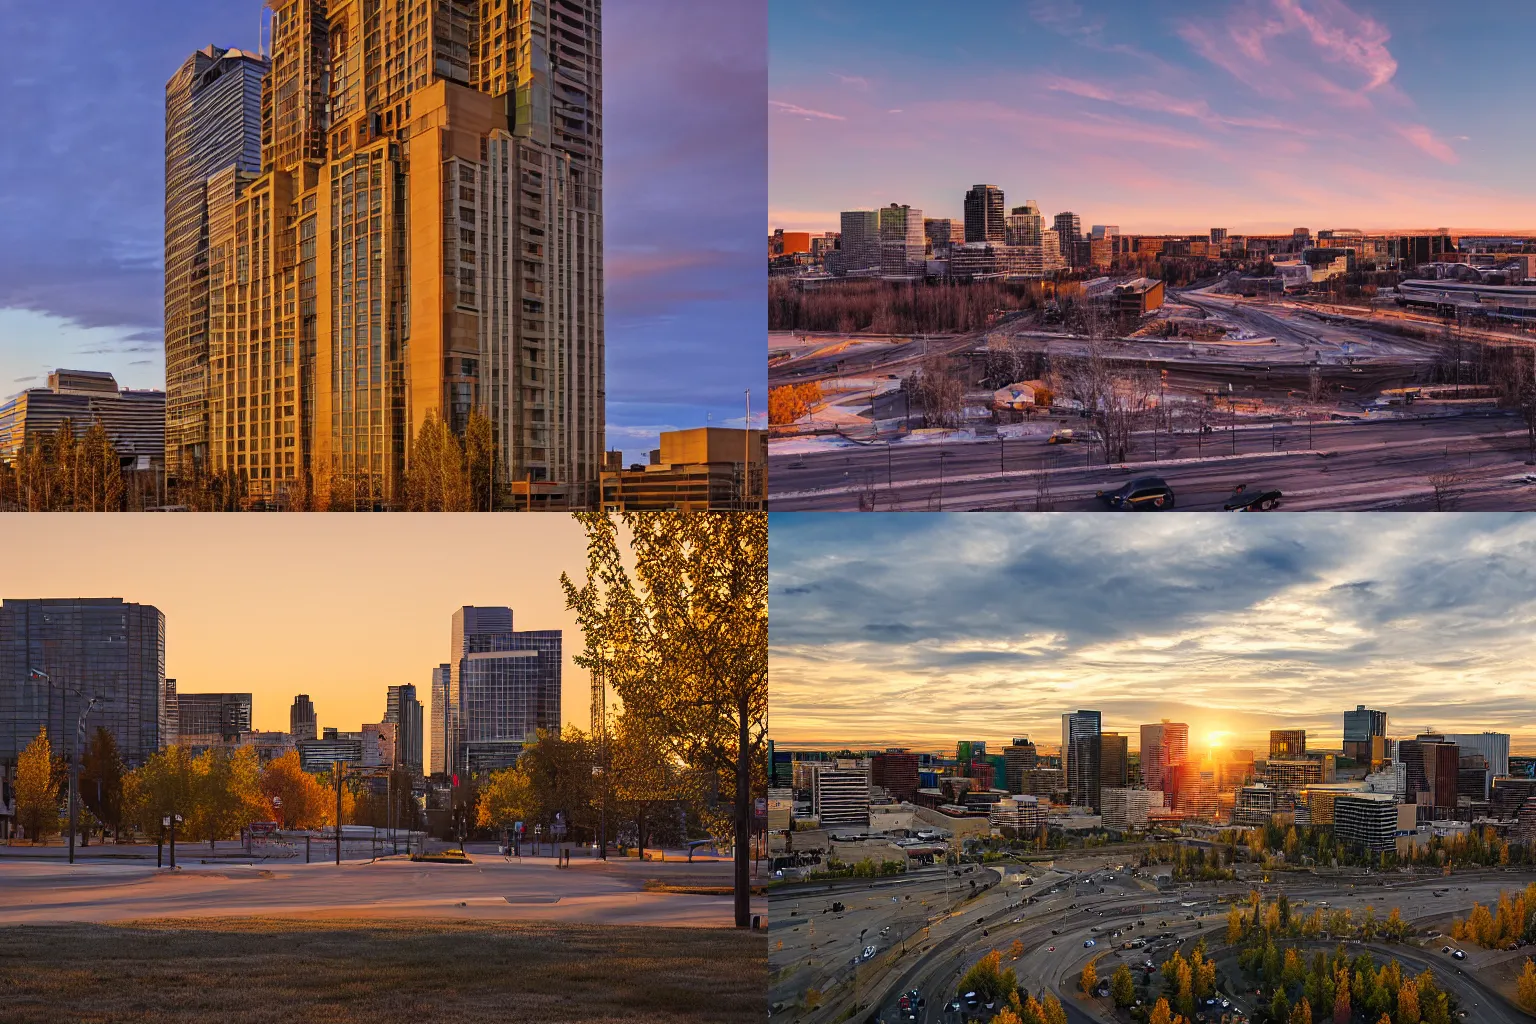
(1101, 231)
(901, 242)
(1218, 236)
(424, 239)
(1287, 744)
(1360, 727)
(212, 127)
(1018, 758)
(302, 723)
(404, 711)
(1069, 228)
(1494, 746)
(1114, 756)
(170, 716)
(504, 686)
(1080, 754)
(984, 214)
(1025, 225)
(442, 675)
(58, 653)
(859, 242)
(211, 718)
(1162, 746)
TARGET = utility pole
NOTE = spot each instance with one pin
(74, 778)
(337, 770)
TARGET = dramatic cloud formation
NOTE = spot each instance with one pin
(924, 629)
(1256, 115)
(81, 193)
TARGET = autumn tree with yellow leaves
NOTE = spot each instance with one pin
(678, 626)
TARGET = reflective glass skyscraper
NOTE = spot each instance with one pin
(212, 125)
(503, 687)
(56, 654)
(404, 710)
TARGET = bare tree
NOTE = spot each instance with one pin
(937, 392)
(1116, 402)
(1043, 500)
(1448, 487)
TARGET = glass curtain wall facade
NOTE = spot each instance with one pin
(504, 686)
(56, 654)
(212, 125)
(424, 239)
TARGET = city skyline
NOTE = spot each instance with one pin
(298, 632)
(679, 275)
(922, 631)
(1256, 116)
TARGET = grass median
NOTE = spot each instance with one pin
(265, 971)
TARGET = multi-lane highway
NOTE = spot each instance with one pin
(1479, 461)
(1066, 907)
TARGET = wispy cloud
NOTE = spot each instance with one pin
(799, 111)
(1425, 140)
(953, 626)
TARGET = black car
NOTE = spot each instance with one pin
(1252, 498)
(1143, 494)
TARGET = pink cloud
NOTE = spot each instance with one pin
(1346, 37)
(790, 108)
(1152, 100)
(1425, 140)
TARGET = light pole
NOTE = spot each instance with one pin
(74, 776)
(602, 813)
(170, 821)
(74, 767)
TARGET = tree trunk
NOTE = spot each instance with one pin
(743, 852)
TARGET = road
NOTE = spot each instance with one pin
(1069, 911)
(492, 887)
(1384, 464)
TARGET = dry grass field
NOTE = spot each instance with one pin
(273, 971)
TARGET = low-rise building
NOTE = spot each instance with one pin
(1255, 805)
(1139, 297)
(1127, 809)
(133, 420)
(840, 794)
(1368, 820)
(1020, 813)
(702, 469)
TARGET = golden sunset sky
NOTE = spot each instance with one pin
(336, 606)
(919, 630)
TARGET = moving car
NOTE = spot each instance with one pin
(1252, 498)
(1089, 943)
(1459, 954)
(1143, 494)
(1067, 435)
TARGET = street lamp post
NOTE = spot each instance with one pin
(602, 813)
(74, 776)
(170, 821)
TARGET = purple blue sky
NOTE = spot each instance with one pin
(82, 185)
(1254, 115)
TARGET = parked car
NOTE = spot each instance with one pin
(1143, 494)
(1459, 954)
(1252, 498)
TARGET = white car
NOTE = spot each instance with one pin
(1089, 944)
(869, 951)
